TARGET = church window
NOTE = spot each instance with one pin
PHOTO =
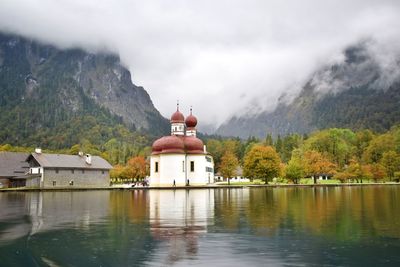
(156, 167)
(192, 166)
(183, 166)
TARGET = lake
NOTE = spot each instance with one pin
(293, 226)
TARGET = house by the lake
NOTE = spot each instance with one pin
(12, 165)
(59, 171)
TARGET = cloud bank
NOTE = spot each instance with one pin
(222, 57)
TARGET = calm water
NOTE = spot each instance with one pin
(357, 226)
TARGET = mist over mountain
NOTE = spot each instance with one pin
(361, 91)
(54, 97)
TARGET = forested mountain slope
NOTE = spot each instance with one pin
(357, 93)
(56, 98)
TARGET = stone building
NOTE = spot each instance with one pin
(41, 170)
(59, 170)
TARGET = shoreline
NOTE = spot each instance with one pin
(193, 187)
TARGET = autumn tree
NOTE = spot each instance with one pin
(315, 164)
(229, 163)
(262, 162)
(137, 168)
(118, 172)
(352, 172)
(366, 172)
(378, 172)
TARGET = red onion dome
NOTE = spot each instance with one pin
(177, 117)
(168, 144)
(193, 145)
(191, 121)
(157, 146)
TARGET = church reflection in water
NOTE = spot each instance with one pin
(168, 223)
(178, 218)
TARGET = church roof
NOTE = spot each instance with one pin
(178, 145)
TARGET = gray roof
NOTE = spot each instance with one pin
(69, 161)
(13, 164)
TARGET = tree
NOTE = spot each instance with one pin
(378, 172)
(354, 170)
(215, 148)
(262, 162)
(315, 164)
(118, 173)
(268, 140)
(366, 172)
(379, 145)
(391, 161)
(341, 176)
(294, 171)
(229, 163)
(289, 143)
(136, 168)
(337, 145)
(295, 168)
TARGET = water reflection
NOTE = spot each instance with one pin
(226, 227)
(178, 217)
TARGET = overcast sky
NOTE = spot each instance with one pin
(219, 56)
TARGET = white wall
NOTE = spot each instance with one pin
(177, 167)
(199, 176)
(154, 176)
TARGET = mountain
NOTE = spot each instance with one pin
(54, 97)
(357, 93)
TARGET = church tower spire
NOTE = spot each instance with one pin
(191, 122)
(177, 122)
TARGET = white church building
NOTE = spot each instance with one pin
(181, 158)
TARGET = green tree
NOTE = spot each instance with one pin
(338, 145)
(262, 162)
(379, 145)
(268, 140)
(294, 171)
(391, 161)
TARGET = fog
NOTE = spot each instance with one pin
(223, 58)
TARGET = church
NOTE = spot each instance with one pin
(181, 158)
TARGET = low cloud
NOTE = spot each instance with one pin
(222, 57)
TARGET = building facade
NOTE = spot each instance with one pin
(67, 171)
(181, 158)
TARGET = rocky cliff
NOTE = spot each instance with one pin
(43, 87)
